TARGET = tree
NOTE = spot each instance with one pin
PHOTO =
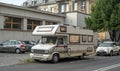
(105, 16)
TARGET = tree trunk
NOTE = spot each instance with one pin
(115, 35)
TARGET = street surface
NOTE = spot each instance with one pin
(12, 58)
(92, 63)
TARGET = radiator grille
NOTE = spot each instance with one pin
(39, 51)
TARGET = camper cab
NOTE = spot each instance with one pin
(61, 41)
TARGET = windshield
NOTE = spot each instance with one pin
(106, 45)
(48, 40)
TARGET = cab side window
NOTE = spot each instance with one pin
(60, 41)
(114, 44)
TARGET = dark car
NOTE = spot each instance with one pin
(29, 45)
(13, 46)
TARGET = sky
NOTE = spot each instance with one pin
(15, 2)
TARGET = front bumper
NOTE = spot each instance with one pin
(41, 57)
(101, 53)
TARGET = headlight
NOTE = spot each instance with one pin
(46, 51)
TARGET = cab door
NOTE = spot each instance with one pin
(62, 46)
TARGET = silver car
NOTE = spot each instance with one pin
(108, 48)
(12, 46)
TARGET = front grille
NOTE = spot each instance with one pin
(39, 51)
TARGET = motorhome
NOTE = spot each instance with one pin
(61, 41)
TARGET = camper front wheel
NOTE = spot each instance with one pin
(55, 58)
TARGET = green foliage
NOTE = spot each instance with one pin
(105, 16)
(28, 60)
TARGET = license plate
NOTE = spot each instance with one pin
(38, 55)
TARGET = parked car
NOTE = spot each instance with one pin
(13, 46)
(29, 45)
(108, 48)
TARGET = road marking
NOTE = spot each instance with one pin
(108, 68)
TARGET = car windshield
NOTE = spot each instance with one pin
(106, 45)
(48, 40)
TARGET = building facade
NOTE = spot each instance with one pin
(30, 3)
(62, 6)
(76, 19)
(18, 23)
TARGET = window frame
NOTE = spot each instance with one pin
(75, 6)
(62, 8)
(83, 4)
(90, 40)
(12, 22)
(73, 36)
(67, 8)
(33, 24)
(84, 38)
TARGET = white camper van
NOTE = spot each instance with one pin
(61, 41)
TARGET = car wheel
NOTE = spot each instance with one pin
(36, 60)
(118, 53)
(81, 57)
(55, 58)
(97, 54)
(23, 51)
(18, 51)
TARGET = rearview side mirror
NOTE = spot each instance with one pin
(1, 44)
(114, 45)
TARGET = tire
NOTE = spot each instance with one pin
(97, 54)
(118, 52)
(81, 57)
(36, 60)
(23, 51)
(17, 51)
(111, 53)
(55, 58)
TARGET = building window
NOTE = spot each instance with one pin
(62, 8)
(74, 39)
(83, 5)
(31, 24)
(35, 2)
(50, 23)
(67, 7)
(47, 23)
(12, 23)
(32, 2)
(75, 6)
(25, 3)
(54, 23)
(45, 1)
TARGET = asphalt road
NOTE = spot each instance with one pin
(96, 63)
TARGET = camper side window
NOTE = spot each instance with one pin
(74, 39)
(90, 38)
